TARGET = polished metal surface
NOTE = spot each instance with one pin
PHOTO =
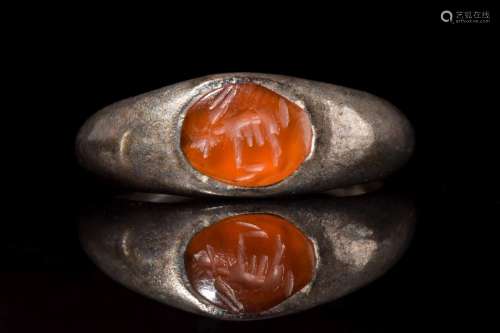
(357, 138)
(142, 244)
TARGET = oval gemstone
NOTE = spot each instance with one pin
(246, 135)
(249, 263)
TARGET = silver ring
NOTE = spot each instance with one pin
(355, 138)
(143, 245)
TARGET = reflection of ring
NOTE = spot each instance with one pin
(154, 249)
(246, 134)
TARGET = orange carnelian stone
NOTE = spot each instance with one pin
(245, 134)
(249, 263)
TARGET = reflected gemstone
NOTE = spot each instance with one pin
(249, 263)
(246, 135)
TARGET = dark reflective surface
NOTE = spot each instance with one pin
(142, 244)
(61, 70)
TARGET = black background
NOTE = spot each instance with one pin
(61, 70)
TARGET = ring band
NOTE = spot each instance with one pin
(246, 134)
